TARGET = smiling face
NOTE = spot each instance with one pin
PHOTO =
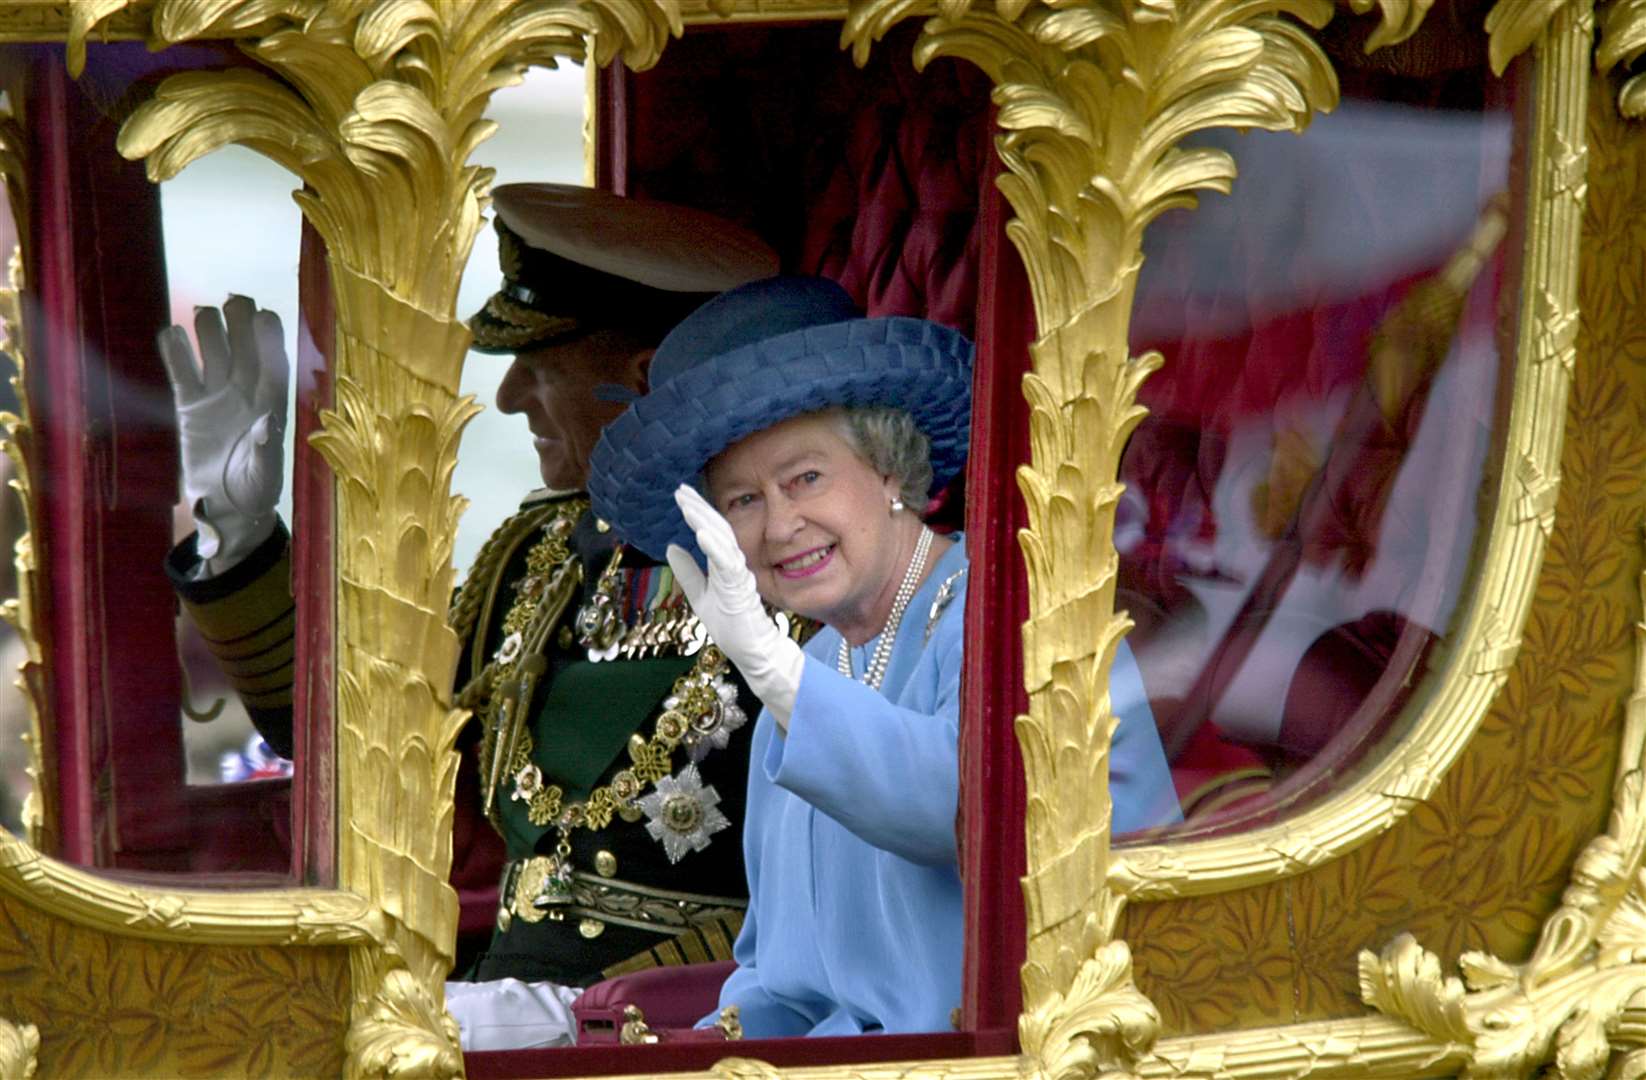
(553, 387)
(814, 521)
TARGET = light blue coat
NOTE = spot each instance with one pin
(854, 921)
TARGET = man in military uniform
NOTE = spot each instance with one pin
(612, 738)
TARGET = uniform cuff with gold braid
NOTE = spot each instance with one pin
(248, 620)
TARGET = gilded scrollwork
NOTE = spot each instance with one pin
(1400, 20)
(1587, 975)
(1575, 1003)
(408, 1033)
(1094, 102)
(1623, 41)
(1515, 24)
(19, 1050)
(1476, 861)
(377, 111)
(387, 107)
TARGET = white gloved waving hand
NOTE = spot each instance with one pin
(231, 424)
(728, 605)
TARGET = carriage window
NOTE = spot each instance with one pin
(16, 729)
(1305, 495)
(230, 227)
(540, 138)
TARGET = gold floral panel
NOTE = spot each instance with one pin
(107, 1005)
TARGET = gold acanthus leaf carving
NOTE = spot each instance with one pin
(19, 1050)
(1587, 972)
(395, 1037)
(1400, 20)
(1623, 41)
(84, 17)
(1515, 24)
(1095, 101)
(377, 107)
(21, 611)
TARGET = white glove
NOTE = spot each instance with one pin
(729, 607)
(231, 424)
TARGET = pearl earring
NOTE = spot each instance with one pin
(897, 504)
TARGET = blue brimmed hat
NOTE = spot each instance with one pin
(753, 357)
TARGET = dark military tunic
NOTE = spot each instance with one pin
(590, 889)
(615, 901)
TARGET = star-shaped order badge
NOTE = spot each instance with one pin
(683, 812)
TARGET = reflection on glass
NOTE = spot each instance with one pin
(230, 226)
(1302, 500)
(16, 781)
(16, 784)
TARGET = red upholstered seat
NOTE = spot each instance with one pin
(671, 999)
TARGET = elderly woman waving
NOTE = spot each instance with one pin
(795, 444)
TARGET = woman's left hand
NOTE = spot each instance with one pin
(728, 604)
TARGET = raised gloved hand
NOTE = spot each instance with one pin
(729, 606)
(231, 424)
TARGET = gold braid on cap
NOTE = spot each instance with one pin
(518, 325)
(508, 252)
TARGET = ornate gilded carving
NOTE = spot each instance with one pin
(111, 1005)
(1479, 861)
(1094, 102)
(713, 11)
(1574, 1002)
(1400, 20)
(19, 1050)
(1576, 999)
(406, 1032)
(39, 808)
(84, 16)
(1623, 41)
(1076, 249)
(1373, 1049)
(73, 21)
(378, 112)
(1515, 24)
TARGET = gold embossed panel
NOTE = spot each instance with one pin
(111, 1006)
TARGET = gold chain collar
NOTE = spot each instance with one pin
(695, 710)
(515, 666)
(701, 710)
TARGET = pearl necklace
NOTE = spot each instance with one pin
(876, 670)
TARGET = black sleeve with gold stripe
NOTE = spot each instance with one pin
(705, 942)
(248, 620)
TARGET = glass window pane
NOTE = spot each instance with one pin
(1304, 497)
